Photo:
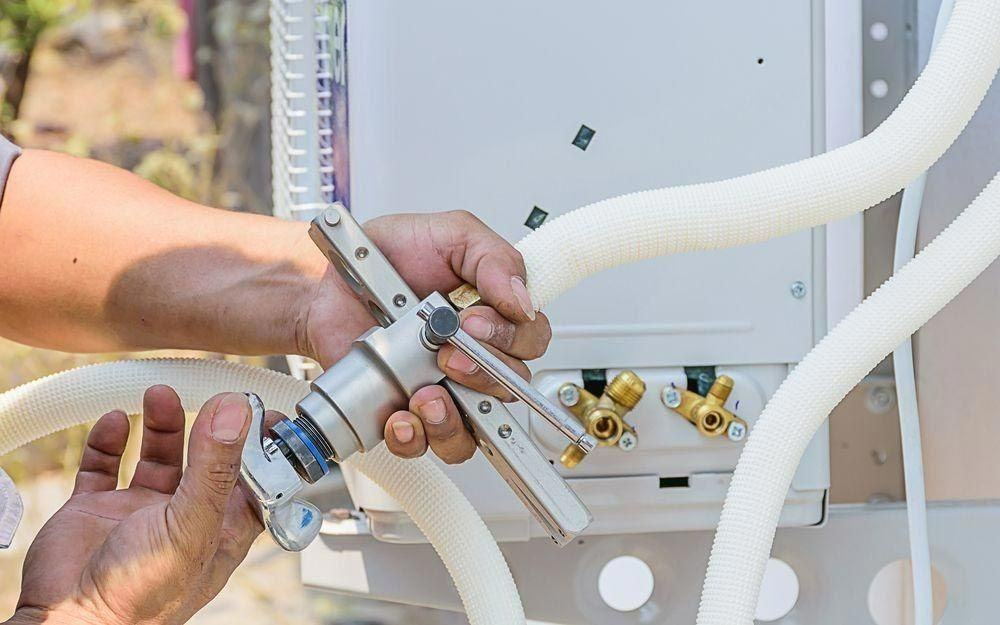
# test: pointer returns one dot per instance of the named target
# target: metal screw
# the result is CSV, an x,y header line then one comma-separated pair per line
x,y
331,217
399,300
671,397
485,406
569,395
504,431
736,432
880,400
361,253
627,442
798,289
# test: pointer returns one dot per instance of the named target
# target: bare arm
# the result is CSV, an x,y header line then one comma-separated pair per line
x,y
96,259
93,258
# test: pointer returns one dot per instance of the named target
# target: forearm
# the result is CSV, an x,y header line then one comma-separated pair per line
x,y
93,258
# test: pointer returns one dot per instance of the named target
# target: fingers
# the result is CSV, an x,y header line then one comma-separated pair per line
x,y
271,417
197,510
404,435
102,457
162,454
433,420
526,340
493,265
240,527
446,433
460,368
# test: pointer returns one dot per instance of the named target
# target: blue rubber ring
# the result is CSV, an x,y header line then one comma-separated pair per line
x,y
310,445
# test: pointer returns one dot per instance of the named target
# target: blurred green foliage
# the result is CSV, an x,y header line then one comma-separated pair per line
x,y
22,22
171,171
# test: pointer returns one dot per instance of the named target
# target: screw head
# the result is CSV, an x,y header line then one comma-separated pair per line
x,y
671,397
361,253
736,432
504,431
569,395
798,289
399,301
628,441
485,407
880,400
331,217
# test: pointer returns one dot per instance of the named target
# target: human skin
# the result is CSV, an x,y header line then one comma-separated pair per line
x,y
157,551
96,259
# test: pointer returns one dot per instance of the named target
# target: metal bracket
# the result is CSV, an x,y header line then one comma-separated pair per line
x,y
11,509
394,361
272,481
509,449
362,265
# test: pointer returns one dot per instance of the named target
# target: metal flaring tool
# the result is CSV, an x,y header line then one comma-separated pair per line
x,y
347,408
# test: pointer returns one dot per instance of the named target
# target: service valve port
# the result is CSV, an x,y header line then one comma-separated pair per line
x,y
708,413
604,416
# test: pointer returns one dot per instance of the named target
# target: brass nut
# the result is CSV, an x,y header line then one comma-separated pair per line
x,y
603,417
713,423
626,389
572,456
464,297
604,425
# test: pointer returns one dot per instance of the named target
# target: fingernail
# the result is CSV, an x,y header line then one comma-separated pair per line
x,y
522,296
433,411
461,363
403,431
479,327
230,416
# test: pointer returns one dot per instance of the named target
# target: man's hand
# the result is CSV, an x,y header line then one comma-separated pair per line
x,y
159,550
438,252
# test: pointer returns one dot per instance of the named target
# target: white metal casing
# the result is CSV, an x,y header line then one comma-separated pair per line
x,y
469,106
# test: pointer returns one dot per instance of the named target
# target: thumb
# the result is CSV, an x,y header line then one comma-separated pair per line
x,y
198,507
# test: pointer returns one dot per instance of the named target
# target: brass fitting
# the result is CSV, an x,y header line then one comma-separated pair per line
x,y
604,416
708,413
464,297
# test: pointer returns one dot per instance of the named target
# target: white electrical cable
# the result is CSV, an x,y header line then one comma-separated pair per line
x,y
433,501
805,399
906,394
778,201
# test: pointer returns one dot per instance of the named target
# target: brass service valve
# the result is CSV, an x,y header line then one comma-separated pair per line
x,y
604,416
708,413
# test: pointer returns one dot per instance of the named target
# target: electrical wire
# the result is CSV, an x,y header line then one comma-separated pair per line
x,y
906,393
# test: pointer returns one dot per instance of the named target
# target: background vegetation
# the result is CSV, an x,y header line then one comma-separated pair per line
x,y
178,92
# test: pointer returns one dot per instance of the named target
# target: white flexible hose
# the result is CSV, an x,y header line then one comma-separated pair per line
x,y
906,394
777,201
434,503
642,225
801,404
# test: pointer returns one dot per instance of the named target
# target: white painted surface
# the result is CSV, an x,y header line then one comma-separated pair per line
x,y
470,106
625,583
779,591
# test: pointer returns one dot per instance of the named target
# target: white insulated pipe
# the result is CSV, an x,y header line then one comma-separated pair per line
x,y
804,400
781,200
435,504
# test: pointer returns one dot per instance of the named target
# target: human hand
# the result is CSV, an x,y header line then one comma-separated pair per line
x,y
438,252
159,550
